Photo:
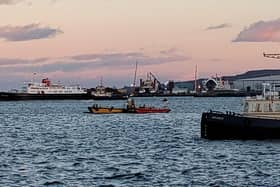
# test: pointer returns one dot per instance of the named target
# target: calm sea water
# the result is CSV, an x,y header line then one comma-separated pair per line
x,y
54,143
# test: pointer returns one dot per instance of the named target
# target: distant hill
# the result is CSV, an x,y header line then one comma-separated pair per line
x,y
248,75
253,74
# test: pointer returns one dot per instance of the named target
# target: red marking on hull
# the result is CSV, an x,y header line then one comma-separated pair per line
x,y
151,110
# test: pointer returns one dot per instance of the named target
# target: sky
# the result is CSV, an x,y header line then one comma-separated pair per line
x,y
82,41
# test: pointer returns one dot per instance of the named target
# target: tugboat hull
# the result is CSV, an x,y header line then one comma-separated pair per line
x,y
144,110
105,110
217,125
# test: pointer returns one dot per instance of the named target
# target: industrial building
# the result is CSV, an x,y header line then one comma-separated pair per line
x,y
248,82
253,80
256,84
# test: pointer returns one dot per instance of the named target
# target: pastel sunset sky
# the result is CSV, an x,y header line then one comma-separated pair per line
x,y
80,41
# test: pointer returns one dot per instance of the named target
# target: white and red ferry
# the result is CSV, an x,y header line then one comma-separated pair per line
x,y
45,90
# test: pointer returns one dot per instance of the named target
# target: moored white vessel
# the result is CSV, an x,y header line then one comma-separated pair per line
x,y
45,90
46,87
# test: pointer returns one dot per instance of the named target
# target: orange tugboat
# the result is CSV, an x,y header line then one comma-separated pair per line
x,y
130,108
105,110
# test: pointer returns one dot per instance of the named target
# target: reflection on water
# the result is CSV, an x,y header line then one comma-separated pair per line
x,y
54,143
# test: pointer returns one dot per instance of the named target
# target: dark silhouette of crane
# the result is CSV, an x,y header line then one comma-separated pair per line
x,y
155,78
272,55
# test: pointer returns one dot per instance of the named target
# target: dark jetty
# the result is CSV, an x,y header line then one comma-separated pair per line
x,y
227,93
9,96
218,125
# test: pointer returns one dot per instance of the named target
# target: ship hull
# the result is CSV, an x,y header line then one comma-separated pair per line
x,y
121,97
145,110
7,96
216,125
112,110
104,110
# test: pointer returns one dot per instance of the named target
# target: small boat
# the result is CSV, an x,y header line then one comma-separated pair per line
x,y
103,93
130,108
165,99
105,110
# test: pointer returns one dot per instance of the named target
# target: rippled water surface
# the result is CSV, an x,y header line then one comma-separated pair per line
x,y
55,143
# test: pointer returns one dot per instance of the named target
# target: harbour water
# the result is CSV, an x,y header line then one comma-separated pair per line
x,y
55,143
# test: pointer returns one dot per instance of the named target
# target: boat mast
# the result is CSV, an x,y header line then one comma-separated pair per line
x,y
195,79
33,77
101,81
135,74
272,55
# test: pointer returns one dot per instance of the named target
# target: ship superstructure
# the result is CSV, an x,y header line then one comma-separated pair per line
x,y
150,85
265,105
216,83
45,90
46,87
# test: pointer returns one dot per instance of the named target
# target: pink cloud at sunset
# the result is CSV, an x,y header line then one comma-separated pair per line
x,y
9,2
88,66
83,40
262,31
221,26
27,32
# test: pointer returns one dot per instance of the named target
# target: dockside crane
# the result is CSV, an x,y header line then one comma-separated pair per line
x,y
272,55
135,75
155,78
